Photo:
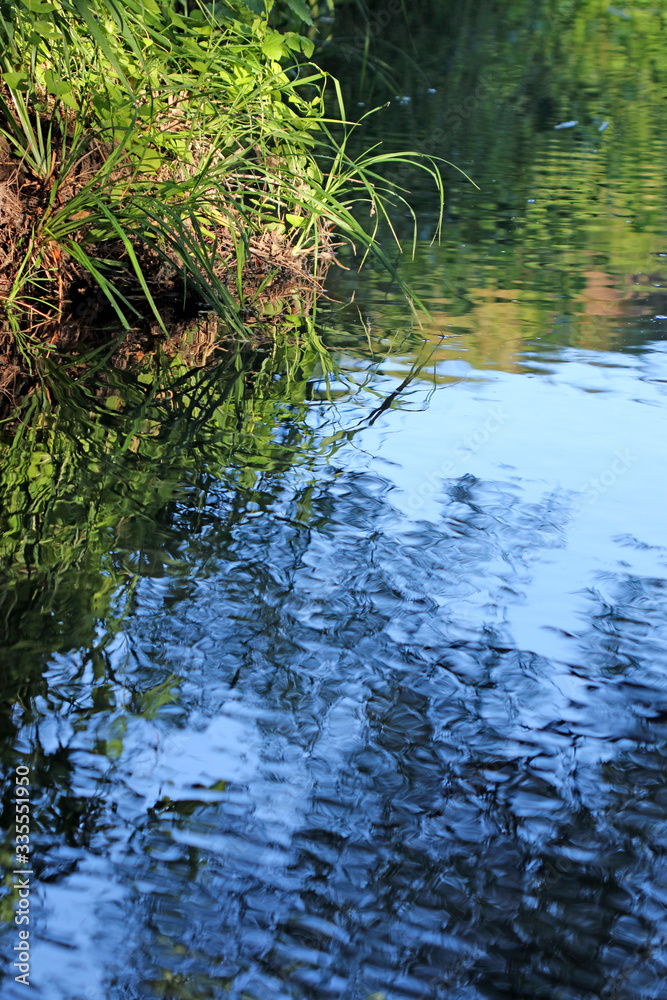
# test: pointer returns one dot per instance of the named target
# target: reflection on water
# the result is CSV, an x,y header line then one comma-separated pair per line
x,y
565,241
357,695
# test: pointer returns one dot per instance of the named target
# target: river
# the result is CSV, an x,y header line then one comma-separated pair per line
x,y
354,685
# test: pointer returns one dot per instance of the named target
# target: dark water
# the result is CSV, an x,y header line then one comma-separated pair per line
x,y
359,695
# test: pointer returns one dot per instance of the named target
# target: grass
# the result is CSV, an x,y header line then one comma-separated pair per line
x,y
154,161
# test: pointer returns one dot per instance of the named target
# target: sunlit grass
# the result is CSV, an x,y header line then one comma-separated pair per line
x,y
156,149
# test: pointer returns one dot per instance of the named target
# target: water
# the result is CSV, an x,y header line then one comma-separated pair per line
x,y
361,695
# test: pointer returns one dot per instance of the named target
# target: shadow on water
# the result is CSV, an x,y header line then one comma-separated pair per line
x,y
353,684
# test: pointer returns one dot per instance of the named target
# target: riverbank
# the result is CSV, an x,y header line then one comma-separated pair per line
x,y
155,165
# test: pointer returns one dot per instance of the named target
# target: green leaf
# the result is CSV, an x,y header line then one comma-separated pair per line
x,y
274,47
14,80
44,29
293,40
299,8
59,88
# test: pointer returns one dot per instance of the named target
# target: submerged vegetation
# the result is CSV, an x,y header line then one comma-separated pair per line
x,y
159,161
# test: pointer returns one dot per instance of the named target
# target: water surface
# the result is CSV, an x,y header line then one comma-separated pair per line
x,y
360,690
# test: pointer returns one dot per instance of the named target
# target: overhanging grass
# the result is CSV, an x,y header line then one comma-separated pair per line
x,y
149,156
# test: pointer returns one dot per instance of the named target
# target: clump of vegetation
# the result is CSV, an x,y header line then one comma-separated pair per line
x,y
155,160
